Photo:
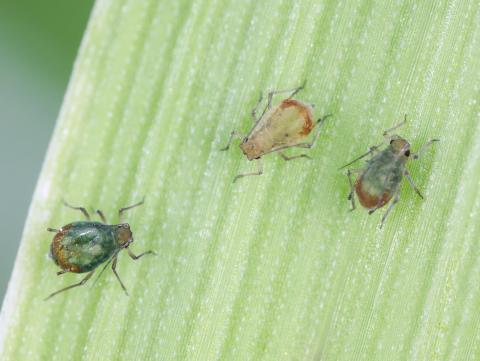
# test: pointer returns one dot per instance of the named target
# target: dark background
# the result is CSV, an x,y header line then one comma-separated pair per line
x,y
38,45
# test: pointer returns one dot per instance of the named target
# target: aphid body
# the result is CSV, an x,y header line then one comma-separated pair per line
x,y
279,127
378,181
82,246
283,126
381,177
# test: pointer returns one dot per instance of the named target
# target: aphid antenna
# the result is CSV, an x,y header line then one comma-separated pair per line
x,y
254,110
370,151
52,230
233,134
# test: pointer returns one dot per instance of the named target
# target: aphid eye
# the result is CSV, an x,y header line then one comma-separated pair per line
x,y
407,153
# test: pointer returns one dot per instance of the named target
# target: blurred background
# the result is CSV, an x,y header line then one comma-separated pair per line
x,y
38,45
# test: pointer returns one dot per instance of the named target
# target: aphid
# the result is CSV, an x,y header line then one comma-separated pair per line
x,y
82,246
379,180
285,125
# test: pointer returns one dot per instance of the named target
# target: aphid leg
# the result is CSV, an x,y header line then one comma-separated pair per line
x,y
412,183
386,134
423,148
81,209
372,210
287,158
371,150
103,269
254,110
317,134
121,210
114,269
233,134
102,216
258,172
61,272
293,92
395,199
351,195
135,257
81,283
53,230
274,92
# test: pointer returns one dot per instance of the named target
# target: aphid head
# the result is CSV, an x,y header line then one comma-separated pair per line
x,y
123,235
400,146
251,149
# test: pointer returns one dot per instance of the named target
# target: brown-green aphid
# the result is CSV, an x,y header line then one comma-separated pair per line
x,y
280,127
379,180
81,247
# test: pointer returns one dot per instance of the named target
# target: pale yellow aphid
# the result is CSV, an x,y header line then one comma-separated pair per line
x,y
282,126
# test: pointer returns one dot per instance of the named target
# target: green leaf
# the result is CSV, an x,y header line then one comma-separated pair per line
x,y
272,267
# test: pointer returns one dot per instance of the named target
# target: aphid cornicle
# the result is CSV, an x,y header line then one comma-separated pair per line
x,y
82,246
378,181
285,125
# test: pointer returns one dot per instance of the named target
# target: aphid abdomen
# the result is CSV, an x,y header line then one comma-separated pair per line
x,y
380,180
291,123
300,115
371,197
82,246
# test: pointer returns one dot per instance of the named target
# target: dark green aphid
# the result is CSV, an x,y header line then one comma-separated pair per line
x,y
81,247
379,180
